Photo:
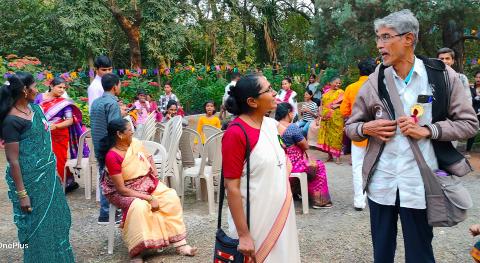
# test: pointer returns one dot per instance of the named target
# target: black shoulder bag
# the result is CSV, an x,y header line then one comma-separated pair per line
x,y
225,246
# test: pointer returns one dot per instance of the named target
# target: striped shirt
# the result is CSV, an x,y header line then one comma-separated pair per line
x,y
307,116
104,110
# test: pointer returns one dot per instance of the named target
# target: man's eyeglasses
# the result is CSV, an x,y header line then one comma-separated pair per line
x,y
385,38
270,89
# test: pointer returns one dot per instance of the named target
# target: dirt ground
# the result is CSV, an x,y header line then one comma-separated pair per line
x,y
339,234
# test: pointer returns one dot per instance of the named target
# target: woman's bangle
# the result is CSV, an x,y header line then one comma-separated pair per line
x,y
21,194
151,198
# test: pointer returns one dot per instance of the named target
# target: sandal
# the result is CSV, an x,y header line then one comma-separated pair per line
x,y
186,250
326,206
137,259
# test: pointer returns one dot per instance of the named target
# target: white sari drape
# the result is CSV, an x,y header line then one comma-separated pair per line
x,y
268,189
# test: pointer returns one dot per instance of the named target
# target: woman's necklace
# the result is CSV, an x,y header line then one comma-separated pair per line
x,y
120,149
26,114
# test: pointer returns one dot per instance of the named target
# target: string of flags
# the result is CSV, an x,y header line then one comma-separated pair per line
x,y
47,75
472,61
471,32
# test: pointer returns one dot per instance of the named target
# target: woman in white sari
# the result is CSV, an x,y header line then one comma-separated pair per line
x,y
272,236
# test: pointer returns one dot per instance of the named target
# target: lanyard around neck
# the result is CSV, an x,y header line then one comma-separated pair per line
x,y
409,76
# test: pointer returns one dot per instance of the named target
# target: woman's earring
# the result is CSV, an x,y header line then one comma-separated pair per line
x,y
26,94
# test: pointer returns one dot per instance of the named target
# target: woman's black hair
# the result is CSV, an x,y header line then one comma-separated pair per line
x,y
107,142
247,87
313,76
56,81
10,92
288,79
170,103
310,92
205,105
283,109
26,78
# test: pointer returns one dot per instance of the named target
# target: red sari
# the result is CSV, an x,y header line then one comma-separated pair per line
x,y
56,111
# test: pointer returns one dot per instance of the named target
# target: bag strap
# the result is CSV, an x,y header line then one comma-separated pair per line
x,y
222,180
431,185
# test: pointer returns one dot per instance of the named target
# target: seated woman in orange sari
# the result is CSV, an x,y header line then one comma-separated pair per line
x,y
152,213
65,125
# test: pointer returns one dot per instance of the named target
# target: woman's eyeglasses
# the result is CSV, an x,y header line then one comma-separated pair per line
x,y
270,89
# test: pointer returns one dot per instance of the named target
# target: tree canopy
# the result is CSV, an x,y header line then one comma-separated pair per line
x,y
67,34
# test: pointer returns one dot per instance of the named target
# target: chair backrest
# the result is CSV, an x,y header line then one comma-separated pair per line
x,y
149,132
186,146
209,131
147,126
171,138
81,143
213,145
156,149
159,132
165,133
194,135
91,157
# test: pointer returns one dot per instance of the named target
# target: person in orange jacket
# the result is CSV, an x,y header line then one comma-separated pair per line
x,y
366,67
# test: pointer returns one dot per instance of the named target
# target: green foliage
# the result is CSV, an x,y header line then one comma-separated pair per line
x,y
67,34
195,88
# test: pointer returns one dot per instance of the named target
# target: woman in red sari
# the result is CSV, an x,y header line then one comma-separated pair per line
x,y
65,124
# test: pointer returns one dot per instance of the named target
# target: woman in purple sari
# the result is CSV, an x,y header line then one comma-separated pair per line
x,y
296,146
66,127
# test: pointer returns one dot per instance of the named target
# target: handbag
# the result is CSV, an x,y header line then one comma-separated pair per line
x,y
226,248
447,200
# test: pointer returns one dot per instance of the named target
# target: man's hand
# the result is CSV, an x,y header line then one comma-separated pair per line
x,y
382,129
408,127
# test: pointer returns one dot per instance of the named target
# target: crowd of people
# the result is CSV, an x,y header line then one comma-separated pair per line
x,y
41,130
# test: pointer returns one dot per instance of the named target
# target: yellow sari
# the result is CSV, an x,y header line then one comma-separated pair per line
x,y
142,228
330,134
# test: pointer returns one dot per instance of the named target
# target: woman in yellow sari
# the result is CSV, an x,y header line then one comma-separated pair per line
x,y
330,134
152,213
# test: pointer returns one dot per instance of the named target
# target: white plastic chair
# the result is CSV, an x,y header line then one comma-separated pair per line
x,y
159,155
214,145
171,140
111,228
186,147
80,166
145,129
159,132
304,189
209,131
150,128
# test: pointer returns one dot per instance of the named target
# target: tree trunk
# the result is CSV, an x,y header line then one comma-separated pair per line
x,y
90,63
243,51
133,35
452,35
131,29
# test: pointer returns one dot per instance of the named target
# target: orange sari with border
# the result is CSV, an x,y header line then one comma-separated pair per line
x,y
142,228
